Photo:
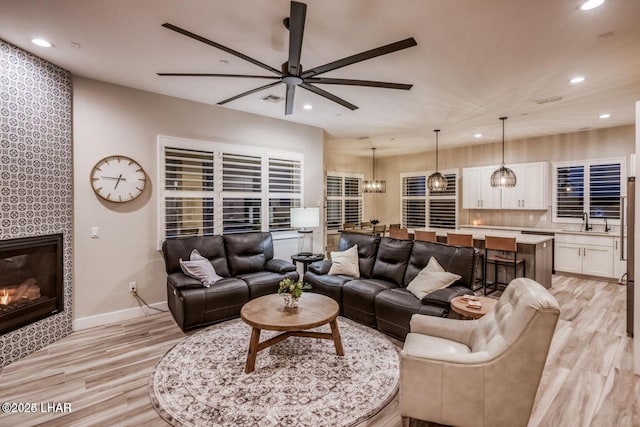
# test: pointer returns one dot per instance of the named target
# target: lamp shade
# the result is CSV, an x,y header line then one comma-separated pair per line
x,y
437,182
305,217
374,186
503,177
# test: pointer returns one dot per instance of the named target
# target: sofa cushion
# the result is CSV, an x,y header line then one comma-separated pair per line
x,y
443,297
358,297
265,282
391,260
394,308
330,286
367,249
454,259
345,262
248,252
200,268
210,247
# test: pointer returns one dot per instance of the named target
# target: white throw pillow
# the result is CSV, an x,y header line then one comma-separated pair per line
x,y
430,279
200,268
345,262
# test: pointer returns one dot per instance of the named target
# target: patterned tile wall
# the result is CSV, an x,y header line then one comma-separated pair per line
x,y
36,176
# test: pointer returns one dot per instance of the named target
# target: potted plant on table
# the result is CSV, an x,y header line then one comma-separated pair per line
x,y
291,291
374,221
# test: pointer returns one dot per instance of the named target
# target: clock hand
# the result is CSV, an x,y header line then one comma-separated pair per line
x,y
118,182
113,177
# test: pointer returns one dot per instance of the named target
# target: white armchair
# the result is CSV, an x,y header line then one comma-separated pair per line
x,y
481,372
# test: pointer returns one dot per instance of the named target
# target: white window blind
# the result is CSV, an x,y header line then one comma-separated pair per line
x,y
344,199
211,188
423,208
593,186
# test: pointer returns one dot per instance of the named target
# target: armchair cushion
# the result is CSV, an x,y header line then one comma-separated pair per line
x,y
418,345
345,262
280,266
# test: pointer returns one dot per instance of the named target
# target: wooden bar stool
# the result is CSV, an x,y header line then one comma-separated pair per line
x,y
507,258
425,236
466,240
399,233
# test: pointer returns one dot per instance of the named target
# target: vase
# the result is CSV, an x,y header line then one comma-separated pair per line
x,y
290,301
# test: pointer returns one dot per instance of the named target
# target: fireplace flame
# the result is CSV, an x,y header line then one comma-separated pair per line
x,y
5,299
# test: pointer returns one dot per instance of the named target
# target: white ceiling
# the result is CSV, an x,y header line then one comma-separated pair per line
x,y
476,60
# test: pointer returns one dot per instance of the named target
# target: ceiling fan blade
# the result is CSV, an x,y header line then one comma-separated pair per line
x,y
244,76
249,92
328,95
359,57
296,31
221,47
288,107
351,82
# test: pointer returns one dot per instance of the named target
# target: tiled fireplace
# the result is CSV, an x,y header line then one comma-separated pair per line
x,y
36,200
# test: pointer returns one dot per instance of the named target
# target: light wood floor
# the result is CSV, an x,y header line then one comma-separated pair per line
x,y
104,372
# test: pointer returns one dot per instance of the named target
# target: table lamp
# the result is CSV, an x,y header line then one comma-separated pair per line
x,y
303,218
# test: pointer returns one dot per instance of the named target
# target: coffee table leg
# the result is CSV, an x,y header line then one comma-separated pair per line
x,y
335,332
253,351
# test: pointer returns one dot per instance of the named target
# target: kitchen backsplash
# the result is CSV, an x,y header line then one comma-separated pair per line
x,y
527,219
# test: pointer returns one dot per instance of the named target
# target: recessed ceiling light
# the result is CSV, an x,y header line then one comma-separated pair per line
x,y
591,4
605,115
42,43
224,61
478,135
307,106
576,80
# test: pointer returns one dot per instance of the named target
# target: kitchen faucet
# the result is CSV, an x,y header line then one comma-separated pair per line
x,y
606,225
585,218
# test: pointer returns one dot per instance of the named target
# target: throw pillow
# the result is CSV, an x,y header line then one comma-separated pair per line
x,y
345,262
200,268
430,279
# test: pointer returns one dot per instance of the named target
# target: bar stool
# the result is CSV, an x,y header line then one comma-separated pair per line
x,y
425,236
509,247
466,240
399,233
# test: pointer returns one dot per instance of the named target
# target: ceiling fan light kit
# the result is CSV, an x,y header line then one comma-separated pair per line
x,y
374,186
437,181
503,177
292,74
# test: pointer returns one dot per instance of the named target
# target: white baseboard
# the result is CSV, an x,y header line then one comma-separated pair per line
x,y
116,316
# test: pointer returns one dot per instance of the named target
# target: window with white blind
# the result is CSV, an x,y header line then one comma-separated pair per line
x,y
423,208
344,199
211,188
593,186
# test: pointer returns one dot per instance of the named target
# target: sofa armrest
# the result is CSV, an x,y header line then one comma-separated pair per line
x,y
443,297
280,266
320,267
442,327
182,281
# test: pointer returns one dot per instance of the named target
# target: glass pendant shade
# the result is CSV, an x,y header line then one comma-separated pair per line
x,y
503,177
374,185
436,181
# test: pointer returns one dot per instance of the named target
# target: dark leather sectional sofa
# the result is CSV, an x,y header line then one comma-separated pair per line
x,y
246,263
378,297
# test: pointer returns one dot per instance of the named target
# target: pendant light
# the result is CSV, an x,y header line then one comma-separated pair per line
x,y
436,181
374,186
503,177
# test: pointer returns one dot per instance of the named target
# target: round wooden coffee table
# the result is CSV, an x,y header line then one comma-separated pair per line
x,y
459,305
268,312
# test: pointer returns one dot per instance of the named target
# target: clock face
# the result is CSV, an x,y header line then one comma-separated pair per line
x,y
118,179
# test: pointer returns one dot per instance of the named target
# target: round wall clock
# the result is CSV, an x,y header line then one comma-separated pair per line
x,y
118,179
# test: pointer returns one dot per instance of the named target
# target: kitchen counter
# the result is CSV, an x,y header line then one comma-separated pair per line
x,y
541,230
479,234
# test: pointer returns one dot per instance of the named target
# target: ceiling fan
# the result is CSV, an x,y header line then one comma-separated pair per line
x,y
292,73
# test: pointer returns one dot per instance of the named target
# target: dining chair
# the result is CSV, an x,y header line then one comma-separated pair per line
x,y
394,226
501,251
348,225
399,233
425,236
379,229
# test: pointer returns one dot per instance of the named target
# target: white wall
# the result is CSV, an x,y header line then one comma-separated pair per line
x,y
110,119
636,267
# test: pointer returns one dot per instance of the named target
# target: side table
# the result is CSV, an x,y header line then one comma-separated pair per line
x,y
306,260
459,305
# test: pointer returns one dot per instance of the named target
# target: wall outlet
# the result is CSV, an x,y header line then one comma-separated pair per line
x,y
133,287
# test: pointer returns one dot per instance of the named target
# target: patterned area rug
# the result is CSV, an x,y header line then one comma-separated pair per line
x,y
297,382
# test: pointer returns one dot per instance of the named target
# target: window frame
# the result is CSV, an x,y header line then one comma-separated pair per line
x,y
586,164
428,197
343,198
217,193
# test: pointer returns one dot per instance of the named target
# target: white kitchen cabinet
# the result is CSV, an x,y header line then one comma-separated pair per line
x,y
477,192
619,265
583,254
532,187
